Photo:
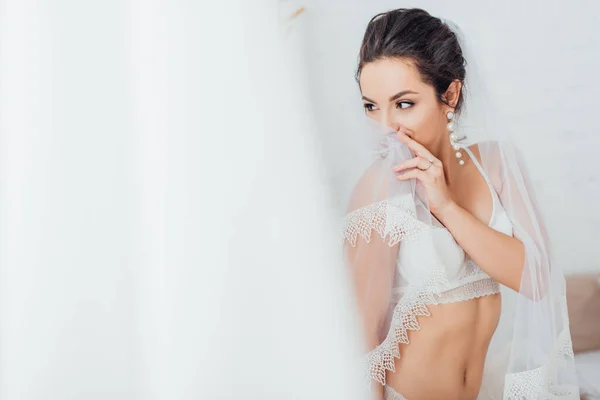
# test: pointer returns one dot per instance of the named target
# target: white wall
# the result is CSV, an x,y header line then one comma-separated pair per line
x,y
545,60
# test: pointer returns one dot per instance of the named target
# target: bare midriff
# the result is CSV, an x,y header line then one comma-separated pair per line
x,y
445,358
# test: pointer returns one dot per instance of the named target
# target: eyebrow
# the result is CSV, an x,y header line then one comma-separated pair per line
x,y
394,97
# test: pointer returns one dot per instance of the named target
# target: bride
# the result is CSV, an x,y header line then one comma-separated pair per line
x,y
443,235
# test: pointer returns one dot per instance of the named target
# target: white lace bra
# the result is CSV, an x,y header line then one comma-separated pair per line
x,y
430,247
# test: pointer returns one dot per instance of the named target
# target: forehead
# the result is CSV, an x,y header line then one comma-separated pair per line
x,y
390,75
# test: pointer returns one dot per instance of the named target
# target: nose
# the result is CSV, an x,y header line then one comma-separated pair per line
x,y
387,120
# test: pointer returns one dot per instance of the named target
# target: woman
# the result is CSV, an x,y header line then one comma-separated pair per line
x,y
435,227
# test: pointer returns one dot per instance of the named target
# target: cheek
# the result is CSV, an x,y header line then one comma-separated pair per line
x,y
374,116
417,120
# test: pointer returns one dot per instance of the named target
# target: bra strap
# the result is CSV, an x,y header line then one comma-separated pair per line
x,y
487,180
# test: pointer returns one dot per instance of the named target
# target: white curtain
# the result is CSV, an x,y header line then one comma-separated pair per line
x,y
164,227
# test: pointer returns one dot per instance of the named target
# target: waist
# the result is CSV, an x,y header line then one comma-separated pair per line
x,y
451,345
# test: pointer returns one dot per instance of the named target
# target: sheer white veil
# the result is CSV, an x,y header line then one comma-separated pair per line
x,y
530,356
534,327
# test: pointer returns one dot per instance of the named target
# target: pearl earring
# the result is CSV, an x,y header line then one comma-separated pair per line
x,y
453,137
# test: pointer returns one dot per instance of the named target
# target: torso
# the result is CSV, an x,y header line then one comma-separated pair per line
x,y
445,358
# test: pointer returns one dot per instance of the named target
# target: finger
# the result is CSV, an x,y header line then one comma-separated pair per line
x,y
415,173
417,162
413,162
417,147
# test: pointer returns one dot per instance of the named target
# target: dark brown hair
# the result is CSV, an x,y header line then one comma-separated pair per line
x,y
414,34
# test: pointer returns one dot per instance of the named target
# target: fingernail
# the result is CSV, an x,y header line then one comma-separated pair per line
x,y
397,167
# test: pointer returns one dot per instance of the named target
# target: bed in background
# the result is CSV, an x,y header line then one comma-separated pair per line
x,y
583,301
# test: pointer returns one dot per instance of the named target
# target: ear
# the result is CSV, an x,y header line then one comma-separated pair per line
x,y
453,93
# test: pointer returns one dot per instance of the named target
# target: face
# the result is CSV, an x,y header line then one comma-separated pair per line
x,y
394,95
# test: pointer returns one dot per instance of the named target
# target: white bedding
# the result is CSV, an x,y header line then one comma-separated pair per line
x,y
588,373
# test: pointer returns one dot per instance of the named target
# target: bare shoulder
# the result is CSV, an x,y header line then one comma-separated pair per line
x,y
475,150
487,151
488,155
490,148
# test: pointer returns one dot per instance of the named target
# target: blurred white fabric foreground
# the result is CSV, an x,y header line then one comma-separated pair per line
x,y
164,231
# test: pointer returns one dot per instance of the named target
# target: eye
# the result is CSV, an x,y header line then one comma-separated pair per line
x,y
369,107
408,103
